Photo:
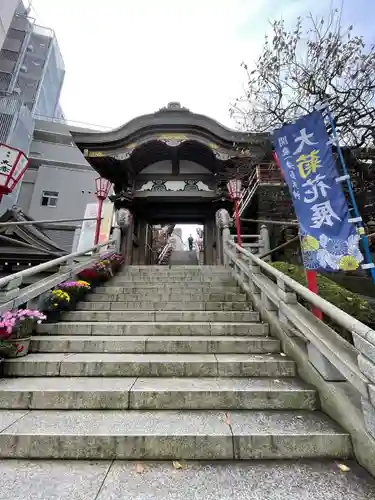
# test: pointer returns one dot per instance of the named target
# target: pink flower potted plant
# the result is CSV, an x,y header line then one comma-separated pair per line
x,y
15,331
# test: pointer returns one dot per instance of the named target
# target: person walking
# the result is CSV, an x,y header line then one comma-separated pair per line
x,y
190,241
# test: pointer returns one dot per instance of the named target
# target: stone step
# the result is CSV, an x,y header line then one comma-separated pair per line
x,y
171,281
163,306
156,344
197,277
158,316
173,271
83,393
164,295
154,328
176,267
170,434
176,289
150,365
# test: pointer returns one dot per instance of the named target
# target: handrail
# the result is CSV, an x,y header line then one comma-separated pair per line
x,y
274,222
338,315
50,264
73,123
323,355
19,296
279,247
164,251
293,315
249,191
46,221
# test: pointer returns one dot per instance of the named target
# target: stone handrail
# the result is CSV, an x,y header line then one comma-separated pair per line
x,y
164,252
12,296
275,294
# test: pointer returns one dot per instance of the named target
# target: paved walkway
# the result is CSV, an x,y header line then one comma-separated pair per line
x,y
267,480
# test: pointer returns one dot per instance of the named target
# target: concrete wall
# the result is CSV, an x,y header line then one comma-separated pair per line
x,y
53,128
7,9
57,154
56,165
76,188
26,190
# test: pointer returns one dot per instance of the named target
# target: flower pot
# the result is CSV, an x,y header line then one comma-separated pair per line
x,y
18,347
53,316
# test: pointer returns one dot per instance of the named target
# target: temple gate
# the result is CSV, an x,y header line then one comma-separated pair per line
x,y
169,167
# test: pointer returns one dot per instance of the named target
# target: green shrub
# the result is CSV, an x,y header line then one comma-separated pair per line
x,y
351,303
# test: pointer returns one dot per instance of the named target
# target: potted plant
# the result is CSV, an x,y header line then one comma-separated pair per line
x,y
15,331
97,273
116,261
104,270
55,302
75,289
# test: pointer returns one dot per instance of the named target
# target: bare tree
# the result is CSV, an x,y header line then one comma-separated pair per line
x,y
318,61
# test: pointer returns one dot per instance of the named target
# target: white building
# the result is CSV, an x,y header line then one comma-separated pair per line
x,y
7,10
31,77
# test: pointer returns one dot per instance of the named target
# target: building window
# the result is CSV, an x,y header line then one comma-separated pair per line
x,y
49,198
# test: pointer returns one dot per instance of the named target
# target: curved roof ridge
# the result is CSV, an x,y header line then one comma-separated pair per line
x,y
174,115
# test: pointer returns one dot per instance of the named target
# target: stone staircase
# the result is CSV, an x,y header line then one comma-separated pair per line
x,y
162,363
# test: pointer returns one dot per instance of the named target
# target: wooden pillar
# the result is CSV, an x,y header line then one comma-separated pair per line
x,y
142,225
219,247
128,244
209,242
136,248
125,221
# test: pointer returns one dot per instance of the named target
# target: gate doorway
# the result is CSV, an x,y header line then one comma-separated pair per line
x,y
169,244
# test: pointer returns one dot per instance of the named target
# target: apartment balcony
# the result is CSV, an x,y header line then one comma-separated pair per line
x,y
6,65
61,155
16,122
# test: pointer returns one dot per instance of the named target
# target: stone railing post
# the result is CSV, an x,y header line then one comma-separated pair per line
x,y
265,240
10,290
117,236
366,363
316,358
223,222
77,234
124,220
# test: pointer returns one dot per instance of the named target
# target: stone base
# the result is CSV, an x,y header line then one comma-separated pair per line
x,y
324,367
369,416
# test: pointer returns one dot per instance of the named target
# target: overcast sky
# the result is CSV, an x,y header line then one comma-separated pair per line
x,y
129,57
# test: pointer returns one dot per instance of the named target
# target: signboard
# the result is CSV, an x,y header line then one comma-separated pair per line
x,y
87,236
329,241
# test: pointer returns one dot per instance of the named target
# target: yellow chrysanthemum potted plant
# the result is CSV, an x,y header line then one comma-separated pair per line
x,y
56,302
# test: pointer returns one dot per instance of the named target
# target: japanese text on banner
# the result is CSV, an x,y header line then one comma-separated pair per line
x,y
329,241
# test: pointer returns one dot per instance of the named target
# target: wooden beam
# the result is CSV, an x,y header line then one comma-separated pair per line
x,y
26,245
175,162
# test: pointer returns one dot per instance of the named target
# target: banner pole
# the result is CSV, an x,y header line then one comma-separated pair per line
x,y
361,230
312,285
311,276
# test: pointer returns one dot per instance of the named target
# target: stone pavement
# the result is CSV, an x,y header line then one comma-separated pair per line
x,y
116,480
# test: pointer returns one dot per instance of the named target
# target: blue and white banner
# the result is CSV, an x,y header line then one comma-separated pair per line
x,y
329,241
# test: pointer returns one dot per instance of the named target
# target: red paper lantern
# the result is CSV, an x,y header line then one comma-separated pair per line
x,y
13,163
235,188
102,187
